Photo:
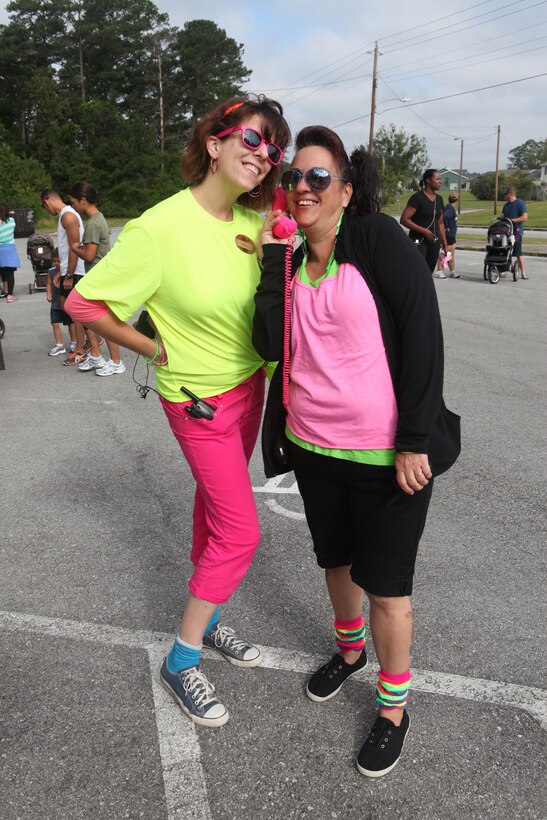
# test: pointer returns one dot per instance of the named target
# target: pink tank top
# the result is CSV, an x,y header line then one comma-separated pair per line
x,y
341,395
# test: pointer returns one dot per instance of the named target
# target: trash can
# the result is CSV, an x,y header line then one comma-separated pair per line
x,y
24,221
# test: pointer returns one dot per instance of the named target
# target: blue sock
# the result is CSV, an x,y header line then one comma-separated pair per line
x,y
182,656
214,619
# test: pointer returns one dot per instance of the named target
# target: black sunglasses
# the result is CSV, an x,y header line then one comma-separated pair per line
x,y
318,179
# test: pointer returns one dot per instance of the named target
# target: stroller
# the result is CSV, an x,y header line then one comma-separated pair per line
x,y
40,253
499,250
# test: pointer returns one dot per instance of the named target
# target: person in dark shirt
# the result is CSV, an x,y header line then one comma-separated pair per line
x,y
515,210
359,342
423,216
450,219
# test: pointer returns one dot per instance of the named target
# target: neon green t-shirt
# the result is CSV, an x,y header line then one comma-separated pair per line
x,y
196,282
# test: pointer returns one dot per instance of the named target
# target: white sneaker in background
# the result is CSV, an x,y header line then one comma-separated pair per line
x,y
92,363
110,368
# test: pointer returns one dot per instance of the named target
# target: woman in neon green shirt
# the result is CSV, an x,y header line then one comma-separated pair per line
x,y
191,260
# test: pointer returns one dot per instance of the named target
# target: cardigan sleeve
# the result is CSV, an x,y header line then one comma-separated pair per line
x,y
406,288
269,296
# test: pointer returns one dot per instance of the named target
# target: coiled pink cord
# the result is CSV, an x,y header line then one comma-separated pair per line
x,y
287,321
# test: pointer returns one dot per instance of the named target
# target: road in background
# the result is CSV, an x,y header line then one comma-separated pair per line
x,y
95,524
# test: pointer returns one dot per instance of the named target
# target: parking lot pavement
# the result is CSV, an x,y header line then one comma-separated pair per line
x,y
95,530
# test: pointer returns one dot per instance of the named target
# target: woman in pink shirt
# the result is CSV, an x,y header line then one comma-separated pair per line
x,y
365,420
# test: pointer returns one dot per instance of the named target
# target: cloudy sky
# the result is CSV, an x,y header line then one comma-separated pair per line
x,y
315,57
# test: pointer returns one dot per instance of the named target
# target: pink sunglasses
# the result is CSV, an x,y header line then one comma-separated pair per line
x,y
253,139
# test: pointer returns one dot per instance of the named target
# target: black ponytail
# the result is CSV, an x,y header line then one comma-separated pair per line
x,y
367,186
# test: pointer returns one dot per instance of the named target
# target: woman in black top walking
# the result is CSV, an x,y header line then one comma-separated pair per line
x,y
423,216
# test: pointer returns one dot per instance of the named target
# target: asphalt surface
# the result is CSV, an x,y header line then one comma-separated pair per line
x,y
95,532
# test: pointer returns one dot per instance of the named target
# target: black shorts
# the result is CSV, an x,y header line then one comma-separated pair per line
x,y
450,238
359,516
64,292
517,247
59,317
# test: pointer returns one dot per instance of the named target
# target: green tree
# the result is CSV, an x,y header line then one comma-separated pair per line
x,y
210,66
105,90
108,50
21,180
484,186
531,154
401,158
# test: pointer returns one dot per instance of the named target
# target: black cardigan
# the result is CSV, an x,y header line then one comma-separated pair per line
x,y
402,287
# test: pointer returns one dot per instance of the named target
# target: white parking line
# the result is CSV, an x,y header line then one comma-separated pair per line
x,y
184,781
277,508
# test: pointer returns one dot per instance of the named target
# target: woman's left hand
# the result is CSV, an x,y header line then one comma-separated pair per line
x,y
412,471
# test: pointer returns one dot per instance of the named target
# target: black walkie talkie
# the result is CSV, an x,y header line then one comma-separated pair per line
x,y
199,409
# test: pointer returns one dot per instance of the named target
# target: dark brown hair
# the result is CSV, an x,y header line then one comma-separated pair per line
x,y
4,212
428,174
84,189
360,169
227,114
47,192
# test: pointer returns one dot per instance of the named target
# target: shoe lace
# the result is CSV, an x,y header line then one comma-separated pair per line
x,y
328,667
380,730
197,685
224,635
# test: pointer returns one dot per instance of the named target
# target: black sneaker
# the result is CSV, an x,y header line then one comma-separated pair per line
x,y
329,678
382,748
195,696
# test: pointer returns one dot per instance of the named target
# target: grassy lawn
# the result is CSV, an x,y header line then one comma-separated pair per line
x,y
481,212
48,224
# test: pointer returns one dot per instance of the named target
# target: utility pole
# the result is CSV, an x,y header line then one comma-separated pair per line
x,y
460,180
497,172
160,89
373,98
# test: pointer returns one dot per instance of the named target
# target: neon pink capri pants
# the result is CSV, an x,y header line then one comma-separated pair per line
x,y
226,532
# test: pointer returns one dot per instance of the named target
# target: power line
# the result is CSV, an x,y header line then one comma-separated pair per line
x,y
434,127
421,26
360,51
416,114
471,65
446,97
405,76
460,48
409,43
315,85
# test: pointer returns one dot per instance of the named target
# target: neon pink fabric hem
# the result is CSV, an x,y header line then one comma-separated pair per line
x,y
84,310
403,677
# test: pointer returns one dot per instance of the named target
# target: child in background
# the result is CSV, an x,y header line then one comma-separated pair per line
x,y
58,315
450,219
